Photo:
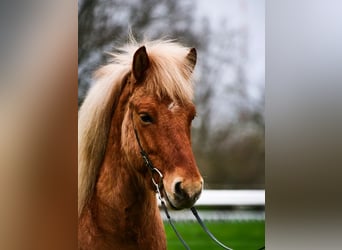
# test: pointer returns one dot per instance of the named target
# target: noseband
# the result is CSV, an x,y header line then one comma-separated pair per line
x,y
158,183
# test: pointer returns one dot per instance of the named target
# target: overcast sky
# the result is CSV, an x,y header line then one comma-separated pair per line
x,y
241,13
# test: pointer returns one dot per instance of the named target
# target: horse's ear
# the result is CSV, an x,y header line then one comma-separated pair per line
x,y
192,58
140,63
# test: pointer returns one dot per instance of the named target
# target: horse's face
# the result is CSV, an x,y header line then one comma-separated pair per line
x,y
164,126
164,131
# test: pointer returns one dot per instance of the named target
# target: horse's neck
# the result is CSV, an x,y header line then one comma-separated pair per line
x,y
123,212
125,207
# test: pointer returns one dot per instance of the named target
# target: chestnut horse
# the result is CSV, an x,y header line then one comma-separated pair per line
x,y
147,89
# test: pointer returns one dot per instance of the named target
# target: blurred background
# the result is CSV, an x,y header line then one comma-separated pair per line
x,y
38,111
228,132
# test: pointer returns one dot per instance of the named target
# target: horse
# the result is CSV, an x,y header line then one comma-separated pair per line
x,y
143,98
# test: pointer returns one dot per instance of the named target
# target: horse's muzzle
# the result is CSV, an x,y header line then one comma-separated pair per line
x,y
184,193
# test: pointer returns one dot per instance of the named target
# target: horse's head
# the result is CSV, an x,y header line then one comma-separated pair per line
x,y
163,123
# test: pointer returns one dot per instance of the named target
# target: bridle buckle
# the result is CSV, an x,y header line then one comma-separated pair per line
x,y
157,182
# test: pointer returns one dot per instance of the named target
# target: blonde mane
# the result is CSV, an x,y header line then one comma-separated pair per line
x,y
169,75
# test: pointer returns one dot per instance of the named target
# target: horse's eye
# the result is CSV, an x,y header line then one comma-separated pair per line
x,y
146,118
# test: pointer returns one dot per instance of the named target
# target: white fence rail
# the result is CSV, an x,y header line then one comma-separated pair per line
x,y
218,198
232,198
214,199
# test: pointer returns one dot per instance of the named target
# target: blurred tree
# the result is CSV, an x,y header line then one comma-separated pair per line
x,y
228,133
105,23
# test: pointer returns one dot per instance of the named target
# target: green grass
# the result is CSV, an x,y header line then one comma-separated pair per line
x,y
236,235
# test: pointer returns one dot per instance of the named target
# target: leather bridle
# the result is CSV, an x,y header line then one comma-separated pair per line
x,y
158,184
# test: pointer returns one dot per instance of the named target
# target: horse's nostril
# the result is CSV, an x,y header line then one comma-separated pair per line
x,y
179,192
